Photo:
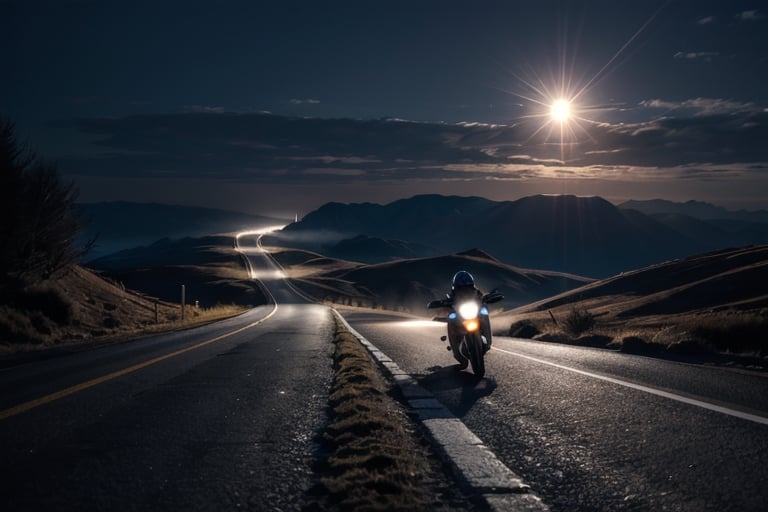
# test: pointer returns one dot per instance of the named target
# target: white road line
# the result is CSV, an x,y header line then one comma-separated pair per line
x,y
672,396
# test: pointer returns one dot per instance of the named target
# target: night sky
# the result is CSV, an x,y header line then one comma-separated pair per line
x,y
277,107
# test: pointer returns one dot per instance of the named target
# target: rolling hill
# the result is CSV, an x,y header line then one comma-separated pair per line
x,y
732,279
411,283
718,300
121,225
208,267
368,249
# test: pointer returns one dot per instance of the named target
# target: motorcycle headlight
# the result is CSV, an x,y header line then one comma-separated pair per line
x,y
468,310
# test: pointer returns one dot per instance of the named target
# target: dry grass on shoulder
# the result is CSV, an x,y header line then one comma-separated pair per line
x,y
196,316
726,336
376,459
713,307
80,309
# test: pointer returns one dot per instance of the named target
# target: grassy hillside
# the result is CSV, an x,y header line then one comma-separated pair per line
x,y
409,284
85,307
208,267
121,225
715,302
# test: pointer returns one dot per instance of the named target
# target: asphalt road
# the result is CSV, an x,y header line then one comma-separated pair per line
x,y
222,417
216,418
595,430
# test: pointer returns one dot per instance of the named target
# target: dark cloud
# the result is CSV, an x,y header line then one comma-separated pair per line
x,y
750,15
263,148
710,137
708,56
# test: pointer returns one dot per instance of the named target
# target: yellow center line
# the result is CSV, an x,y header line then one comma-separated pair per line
x,y
13,411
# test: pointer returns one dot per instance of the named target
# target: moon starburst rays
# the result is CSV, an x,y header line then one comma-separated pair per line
x,y
559,104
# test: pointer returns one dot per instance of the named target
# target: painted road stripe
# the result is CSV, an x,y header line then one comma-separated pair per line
x,y
18,409
672,396
13,411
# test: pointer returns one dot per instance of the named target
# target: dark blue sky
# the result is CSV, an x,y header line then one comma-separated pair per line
x,y
70,63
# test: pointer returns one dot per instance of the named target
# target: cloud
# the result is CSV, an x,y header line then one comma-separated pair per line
x,y
707,20
222,145
717,135
707,56
702,106
203,109
309,101
751,15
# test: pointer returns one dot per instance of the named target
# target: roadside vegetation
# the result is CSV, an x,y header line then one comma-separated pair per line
x,y
374,458
37,243
47,300
80,308
716,336
711,306
39,221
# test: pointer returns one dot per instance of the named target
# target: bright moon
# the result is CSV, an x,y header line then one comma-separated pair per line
x,y
560,111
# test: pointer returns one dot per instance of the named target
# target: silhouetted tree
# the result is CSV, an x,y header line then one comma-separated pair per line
x,y
38,222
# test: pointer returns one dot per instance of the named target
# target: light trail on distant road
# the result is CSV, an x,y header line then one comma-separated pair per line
x,y
259,275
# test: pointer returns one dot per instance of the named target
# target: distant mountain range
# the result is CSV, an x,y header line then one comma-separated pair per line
x,y
696,209
579,235
123,225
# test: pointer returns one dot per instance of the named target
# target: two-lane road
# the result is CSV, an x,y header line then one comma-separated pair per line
x,y
222,417
216,418
596,430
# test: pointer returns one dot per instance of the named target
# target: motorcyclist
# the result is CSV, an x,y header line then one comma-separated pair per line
x,y
463,288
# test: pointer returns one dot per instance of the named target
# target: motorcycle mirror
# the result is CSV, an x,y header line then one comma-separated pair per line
x,y
493,297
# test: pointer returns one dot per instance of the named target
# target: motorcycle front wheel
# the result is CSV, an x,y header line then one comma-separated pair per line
x,y
476,357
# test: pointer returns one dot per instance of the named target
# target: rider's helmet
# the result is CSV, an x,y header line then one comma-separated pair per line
x,y
462,279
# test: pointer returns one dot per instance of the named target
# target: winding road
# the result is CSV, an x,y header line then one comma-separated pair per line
x,y
222,417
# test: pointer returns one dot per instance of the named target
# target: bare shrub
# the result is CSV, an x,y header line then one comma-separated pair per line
x,y
523,329
578,322
39,226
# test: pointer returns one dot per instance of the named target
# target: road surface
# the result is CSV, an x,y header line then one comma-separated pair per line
x,y
222,417
216,418
596,430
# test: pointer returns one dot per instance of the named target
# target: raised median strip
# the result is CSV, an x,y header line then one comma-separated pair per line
x,y
474,464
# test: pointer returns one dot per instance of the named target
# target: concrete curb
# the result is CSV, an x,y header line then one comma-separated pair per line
x,y
473,463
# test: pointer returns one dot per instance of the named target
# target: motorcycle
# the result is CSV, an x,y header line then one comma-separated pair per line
x,y
469,317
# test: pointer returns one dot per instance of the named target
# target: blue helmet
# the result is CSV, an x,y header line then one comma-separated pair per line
x,y
463,278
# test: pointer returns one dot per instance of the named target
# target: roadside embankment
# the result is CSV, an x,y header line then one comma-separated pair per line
x,y
373,456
